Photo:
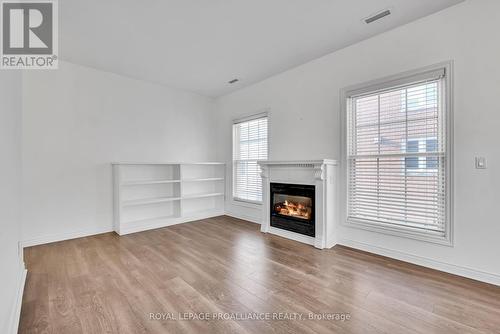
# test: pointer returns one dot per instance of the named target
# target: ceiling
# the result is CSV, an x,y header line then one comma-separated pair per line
x,y
199,45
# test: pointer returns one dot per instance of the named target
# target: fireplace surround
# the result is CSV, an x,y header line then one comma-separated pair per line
x,y
310,191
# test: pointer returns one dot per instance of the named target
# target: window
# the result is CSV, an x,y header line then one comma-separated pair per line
x,y
422,164
249,146
398,156
415,100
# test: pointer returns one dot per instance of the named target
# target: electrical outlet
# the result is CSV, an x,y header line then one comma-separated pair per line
x,y
480,163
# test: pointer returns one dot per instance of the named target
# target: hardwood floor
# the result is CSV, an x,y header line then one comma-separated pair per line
x,y
227,268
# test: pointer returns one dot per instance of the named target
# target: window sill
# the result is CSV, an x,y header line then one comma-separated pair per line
x,y
401,231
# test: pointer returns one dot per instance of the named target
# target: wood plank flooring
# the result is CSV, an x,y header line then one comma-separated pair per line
x,y
152,282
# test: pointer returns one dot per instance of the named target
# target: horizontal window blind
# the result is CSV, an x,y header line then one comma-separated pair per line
x,y
249,146
397,157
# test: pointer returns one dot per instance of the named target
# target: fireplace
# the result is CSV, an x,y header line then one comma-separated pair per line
x,y
310,210
292,208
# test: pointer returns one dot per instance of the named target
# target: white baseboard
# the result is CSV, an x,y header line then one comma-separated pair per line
x,y
425,262
243,217
18,301
63,236
85,233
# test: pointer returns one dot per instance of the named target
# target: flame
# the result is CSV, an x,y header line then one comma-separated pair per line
x,y
294,209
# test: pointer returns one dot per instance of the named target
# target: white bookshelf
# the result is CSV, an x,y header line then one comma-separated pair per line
x,y
154,195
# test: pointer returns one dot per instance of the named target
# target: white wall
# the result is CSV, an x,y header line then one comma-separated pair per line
x,y
10,181
304,124
76,121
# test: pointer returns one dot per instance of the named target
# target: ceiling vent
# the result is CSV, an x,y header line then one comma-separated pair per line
x,y
377,16
233,81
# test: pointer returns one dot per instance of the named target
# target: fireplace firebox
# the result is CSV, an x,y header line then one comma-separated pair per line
x,y
292,208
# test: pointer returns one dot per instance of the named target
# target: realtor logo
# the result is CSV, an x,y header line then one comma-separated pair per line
x,y
29,34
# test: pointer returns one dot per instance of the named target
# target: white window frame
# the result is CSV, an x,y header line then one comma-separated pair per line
x,y
237,200
384,83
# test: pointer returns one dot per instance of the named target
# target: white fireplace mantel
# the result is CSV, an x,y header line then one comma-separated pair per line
x,y
320,173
